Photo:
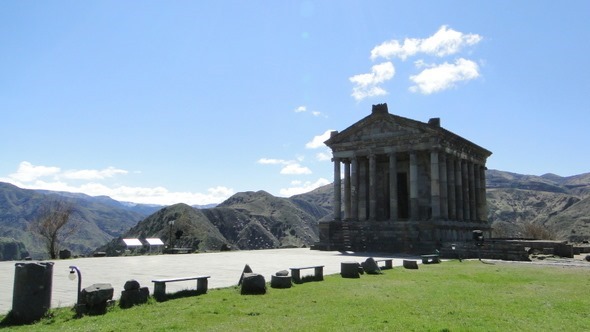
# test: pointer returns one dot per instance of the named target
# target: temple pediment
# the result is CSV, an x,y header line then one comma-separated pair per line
x,y
384,130
380,129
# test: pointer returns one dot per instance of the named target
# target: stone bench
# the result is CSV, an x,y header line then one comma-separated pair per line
x,y
388,263
318,273
179,250
430,259
160,285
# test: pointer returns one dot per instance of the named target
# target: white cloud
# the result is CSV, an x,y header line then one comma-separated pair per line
x,y
29,176
318,141
27,172
444,42
367,85
299,187
302,109
269,161
379,74
436,77
394,48
444,76
295,169
324,156
92,174
161,195
291,167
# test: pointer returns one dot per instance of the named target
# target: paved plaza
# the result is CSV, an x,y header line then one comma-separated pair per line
x,y
224,268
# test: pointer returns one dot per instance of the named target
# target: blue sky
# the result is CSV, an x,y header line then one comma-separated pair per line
x,y
193,101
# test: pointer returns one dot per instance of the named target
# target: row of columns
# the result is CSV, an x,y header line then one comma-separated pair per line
x,y
457,188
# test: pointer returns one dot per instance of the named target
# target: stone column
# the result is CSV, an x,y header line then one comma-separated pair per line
x,y
459,188
362,196
434,186
414,207
483,201
451,185
465,182
346,189
337,189
354,187
476,180
393,209
444,205
472,192
372,187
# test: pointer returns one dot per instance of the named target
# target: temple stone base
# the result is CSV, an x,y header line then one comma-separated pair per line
x,y
394,236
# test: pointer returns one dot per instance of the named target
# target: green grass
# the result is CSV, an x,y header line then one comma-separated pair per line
x,y
451,296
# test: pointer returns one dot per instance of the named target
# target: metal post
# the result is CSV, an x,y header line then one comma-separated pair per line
x,y
72,277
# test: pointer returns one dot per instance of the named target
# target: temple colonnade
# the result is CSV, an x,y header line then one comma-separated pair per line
x,y
426,185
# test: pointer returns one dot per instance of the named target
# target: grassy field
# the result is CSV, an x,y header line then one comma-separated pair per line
x,y
452,296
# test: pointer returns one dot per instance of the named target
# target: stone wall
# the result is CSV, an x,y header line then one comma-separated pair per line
x,y
504,249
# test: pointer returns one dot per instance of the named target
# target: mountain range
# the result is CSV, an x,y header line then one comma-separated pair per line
x,y
247,220
559,204
99,218
257,220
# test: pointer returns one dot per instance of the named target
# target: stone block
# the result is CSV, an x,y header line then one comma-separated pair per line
x,y
282,273
412,265
32,291
94,298
370,266
280,281
247,269
132,297
65,254
253,284
131,285
350,269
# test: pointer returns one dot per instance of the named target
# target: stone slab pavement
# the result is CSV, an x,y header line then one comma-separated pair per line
x,y
225,269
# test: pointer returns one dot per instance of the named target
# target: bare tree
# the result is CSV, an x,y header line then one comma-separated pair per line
x,y
53,225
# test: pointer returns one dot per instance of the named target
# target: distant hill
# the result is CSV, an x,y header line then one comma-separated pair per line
x,y
100,218
560,204
247,220
143,209
257,220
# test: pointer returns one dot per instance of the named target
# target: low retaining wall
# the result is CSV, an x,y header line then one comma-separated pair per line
x,y
504,249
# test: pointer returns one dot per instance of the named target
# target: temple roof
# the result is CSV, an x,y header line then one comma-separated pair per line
x,y
385,131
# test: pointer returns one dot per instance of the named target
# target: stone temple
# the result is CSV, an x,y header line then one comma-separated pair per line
x,y
402,185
